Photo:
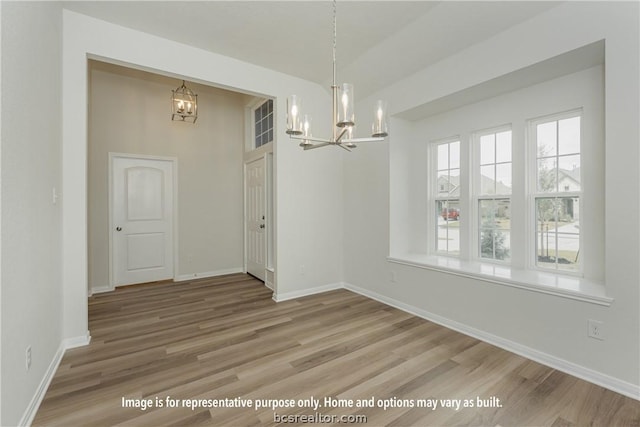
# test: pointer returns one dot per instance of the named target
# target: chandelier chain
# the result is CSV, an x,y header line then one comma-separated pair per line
x,y
335,36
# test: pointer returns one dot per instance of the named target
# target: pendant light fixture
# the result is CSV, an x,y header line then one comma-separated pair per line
x,y
184,104
343,119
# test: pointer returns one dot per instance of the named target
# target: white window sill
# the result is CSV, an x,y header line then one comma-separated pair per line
x,y
571,287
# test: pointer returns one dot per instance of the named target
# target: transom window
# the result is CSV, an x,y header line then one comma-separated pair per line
x,y
263,122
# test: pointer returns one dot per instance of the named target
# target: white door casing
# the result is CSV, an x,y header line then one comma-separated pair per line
x,y
142,211
255,218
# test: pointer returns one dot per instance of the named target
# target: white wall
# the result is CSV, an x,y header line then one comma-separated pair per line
x,y
308,185
547,326
129,113
31,236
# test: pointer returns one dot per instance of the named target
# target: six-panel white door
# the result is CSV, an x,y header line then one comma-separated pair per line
x,y
142,220
255,222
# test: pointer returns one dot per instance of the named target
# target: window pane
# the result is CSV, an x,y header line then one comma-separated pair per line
x,y
503,178
454,155
558,233
569,134
454,182
443,157
546,139
487,211
443,184
503,214
448,227
487,180
487,149
503,147
495,240
569,173
547,179
486,244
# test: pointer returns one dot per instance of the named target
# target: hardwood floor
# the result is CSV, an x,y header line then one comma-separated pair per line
x,y
224,338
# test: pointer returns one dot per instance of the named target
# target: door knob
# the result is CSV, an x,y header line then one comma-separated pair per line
x,y
118,228
261,225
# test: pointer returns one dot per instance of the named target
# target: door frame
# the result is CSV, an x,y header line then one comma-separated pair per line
x,y
174,249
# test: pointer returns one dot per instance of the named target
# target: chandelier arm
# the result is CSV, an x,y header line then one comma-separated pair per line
x,y
359,140
312,138
341,135
312,146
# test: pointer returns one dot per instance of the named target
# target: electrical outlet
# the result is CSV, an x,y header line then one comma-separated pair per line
x,y
27,357
392,276
595,329
302,270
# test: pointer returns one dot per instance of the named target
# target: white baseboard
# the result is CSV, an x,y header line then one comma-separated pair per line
x,y
74,342
36,400
598,378
279,297
191,276
100,290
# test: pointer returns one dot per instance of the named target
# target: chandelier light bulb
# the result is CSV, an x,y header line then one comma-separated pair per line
x,y
379,129
346,116
293,116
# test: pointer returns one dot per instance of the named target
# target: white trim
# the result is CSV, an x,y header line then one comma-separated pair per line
x,y
191,276
550,283
100,290
279,297
603,380
74,342
32,409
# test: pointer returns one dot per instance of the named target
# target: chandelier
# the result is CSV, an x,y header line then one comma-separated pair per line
x,y
343,119
184,104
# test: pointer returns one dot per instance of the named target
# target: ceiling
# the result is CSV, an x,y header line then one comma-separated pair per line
x,y
379,42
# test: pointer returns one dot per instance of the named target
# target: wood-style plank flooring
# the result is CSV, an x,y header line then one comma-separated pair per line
x,y
225,338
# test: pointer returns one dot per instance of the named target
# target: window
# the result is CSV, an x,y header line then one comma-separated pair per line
x,y
447,200
263,122
493,194
557,192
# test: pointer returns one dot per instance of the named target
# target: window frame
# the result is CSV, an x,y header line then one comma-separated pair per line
x,y
534,194
434,198
476,196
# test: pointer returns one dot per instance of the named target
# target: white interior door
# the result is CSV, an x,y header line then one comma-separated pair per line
x,y
141,220
255,221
